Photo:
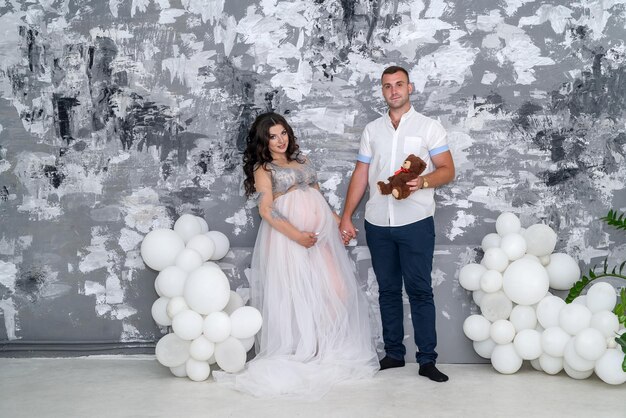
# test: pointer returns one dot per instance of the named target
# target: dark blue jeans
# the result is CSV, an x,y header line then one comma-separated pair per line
x,y
405,252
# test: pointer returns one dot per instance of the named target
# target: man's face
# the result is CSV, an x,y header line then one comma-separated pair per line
x,y
396,89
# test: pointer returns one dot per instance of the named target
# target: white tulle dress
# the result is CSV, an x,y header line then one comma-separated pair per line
x,y
316,324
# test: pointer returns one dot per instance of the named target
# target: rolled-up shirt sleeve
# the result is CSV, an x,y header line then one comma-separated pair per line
x,y
365,150
439,140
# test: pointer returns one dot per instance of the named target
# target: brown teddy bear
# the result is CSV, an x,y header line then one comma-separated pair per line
x,y
412,167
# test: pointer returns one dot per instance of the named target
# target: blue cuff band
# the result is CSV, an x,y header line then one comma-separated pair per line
x,y
363,158
439,150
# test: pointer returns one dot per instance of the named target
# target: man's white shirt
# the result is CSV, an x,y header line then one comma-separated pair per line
x,y
385,149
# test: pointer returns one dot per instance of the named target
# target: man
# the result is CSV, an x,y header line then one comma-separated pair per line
x,y
400,233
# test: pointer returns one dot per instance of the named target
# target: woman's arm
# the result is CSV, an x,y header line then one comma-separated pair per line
x,y
263,185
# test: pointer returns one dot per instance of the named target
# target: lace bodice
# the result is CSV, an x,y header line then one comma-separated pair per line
x,y
286,178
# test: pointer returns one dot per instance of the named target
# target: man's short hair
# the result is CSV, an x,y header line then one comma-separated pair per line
x,y
394,69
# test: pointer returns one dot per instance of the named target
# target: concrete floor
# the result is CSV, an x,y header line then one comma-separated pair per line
x,y
137,386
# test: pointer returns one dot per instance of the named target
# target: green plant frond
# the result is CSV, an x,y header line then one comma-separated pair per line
x,y
614,220
620,308
580,285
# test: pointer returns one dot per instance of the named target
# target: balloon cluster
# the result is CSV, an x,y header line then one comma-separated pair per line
x,y
521,320
210,323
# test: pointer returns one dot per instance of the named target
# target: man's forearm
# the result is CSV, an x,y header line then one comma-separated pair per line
x,y
356,189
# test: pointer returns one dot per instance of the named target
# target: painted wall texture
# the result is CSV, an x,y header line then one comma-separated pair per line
x,y
118,116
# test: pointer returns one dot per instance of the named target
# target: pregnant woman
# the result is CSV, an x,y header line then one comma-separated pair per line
x,y
316,326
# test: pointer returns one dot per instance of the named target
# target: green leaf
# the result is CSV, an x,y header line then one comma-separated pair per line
x,y
621,340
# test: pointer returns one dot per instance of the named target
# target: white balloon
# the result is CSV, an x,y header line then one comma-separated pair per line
x,y
544,260
179,371
160,247
203,244
609,367
207,290
171,281
507,223
496,306
533,258
222,244
476,327
198,371
563,271
611,343
514,246
574,318
527,344
484,348
590,344
575,374
554,340
575,361
496,259
477,296
245,322
212,264
525,282
187,324
201,348
523,317
580,300
175,305
187,226
157,290
601,297
549,364
171,351
505,359
540,240
247,343
502,331
536,365
490,241
188,260
204,226
491,281
606,322
230,355
159,312
548,310
217,326
234,302
469,276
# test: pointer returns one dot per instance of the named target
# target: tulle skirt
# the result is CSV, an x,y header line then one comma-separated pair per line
x,y
316,324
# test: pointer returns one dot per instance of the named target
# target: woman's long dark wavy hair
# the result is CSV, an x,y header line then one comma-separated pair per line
x,y
257,151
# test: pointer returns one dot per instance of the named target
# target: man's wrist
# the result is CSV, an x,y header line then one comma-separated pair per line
x,y
425,183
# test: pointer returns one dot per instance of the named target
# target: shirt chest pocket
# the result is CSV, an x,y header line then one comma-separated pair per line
x,y
414,145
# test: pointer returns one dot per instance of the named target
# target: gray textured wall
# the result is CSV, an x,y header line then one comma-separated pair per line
x,y
118,116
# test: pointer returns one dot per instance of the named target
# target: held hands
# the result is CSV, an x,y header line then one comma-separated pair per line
x,y
347,230
306,239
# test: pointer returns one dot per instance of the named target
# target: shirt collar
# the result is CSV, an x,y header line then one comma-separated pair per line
x,y
408,114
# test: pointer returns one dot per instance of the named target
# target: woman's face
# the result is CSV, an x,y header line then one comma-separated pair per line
x,y
278,140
